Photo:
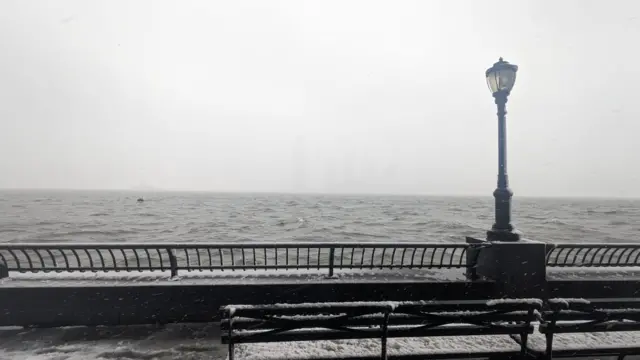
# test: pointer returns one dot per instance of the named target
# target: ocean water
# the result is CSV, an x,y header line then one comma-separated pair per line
x,y
93,216
105,216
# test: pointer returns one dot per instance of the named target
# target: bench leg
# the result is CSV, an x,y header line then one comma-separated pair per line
x,y
385,333
231,354
523,345
549,351
383,353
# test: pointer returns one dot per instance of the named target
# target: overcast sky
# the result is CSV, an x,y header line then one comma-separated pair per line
x,y
319,96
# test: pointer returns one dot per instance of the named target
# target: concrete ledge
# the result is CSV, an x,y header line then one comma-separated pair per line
x,y
595,288
164,278
148,304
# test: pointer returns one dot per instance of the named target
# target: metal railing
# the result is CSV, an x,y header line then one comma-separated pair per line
x,y
317,256
175,257
593,255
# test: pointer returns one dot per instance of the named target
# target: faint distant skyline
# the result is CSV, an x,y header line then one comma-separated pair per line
x,y
352,96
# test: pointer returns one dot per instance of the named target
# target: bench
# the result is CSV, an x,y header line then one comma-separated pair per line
x,y
579,318
323,322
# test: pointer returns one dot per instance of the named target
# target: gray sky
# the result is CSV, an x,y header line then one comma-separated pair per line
x,y
318,96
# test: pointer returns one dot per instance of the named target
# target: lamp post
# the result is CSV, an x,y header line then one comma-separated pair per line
x,y
500,78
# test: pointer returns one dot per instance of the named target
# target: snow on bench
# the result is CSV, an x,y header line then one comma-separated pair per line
x,y
440,329
588,327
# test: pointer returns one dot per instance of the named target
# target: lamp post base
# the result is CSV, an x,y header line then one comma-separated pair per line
x,y
502,235
511,265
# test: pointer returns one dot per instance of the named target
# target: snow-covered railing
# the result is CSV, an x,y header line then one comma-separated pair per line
x,y
593,255
175,257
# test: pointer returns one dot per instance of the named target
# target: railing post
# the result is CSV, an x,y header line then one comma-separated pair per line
x,y
173,262
4,271
332,251
473,252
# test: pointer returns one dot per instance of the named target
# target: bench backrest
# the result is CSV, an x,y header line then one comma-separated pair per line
x,y
325,321
590,315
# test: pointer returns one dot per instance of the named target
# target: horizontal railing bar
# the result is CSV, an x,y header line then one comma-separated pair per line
x,y
254,267
135,269
261,245
225,267
595,245
280,245
311,267
84,269
253,245
558,265
283,245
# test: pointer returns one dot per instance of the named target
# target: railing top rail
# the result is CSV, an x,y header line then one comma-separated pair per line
x,y
237,245
262,244
595,245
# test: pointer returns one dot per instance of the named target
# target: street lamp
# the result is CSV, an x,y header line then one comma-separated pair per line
x,y
500,78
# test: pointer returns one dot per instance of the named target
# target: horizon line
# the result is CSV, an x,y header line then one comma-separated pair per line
x,y
338,193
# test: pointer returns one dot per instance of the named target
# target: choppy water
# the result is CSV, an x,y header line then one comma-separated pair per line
x,y
171,342
82,216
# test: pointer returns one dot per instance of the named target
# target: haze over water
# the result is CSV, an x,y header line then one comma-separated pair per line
x,y
105,216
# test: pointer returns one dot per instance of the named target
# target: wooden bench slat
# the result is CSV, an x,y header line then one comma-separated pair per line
x,y
615,303
456,330
367,333
259,311
470,305
562,328
394,319
336,308
600,314
590,304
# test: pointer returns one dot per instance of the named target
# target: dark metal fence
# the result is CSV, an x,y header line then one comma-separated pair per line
x,y
594,255
329,257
